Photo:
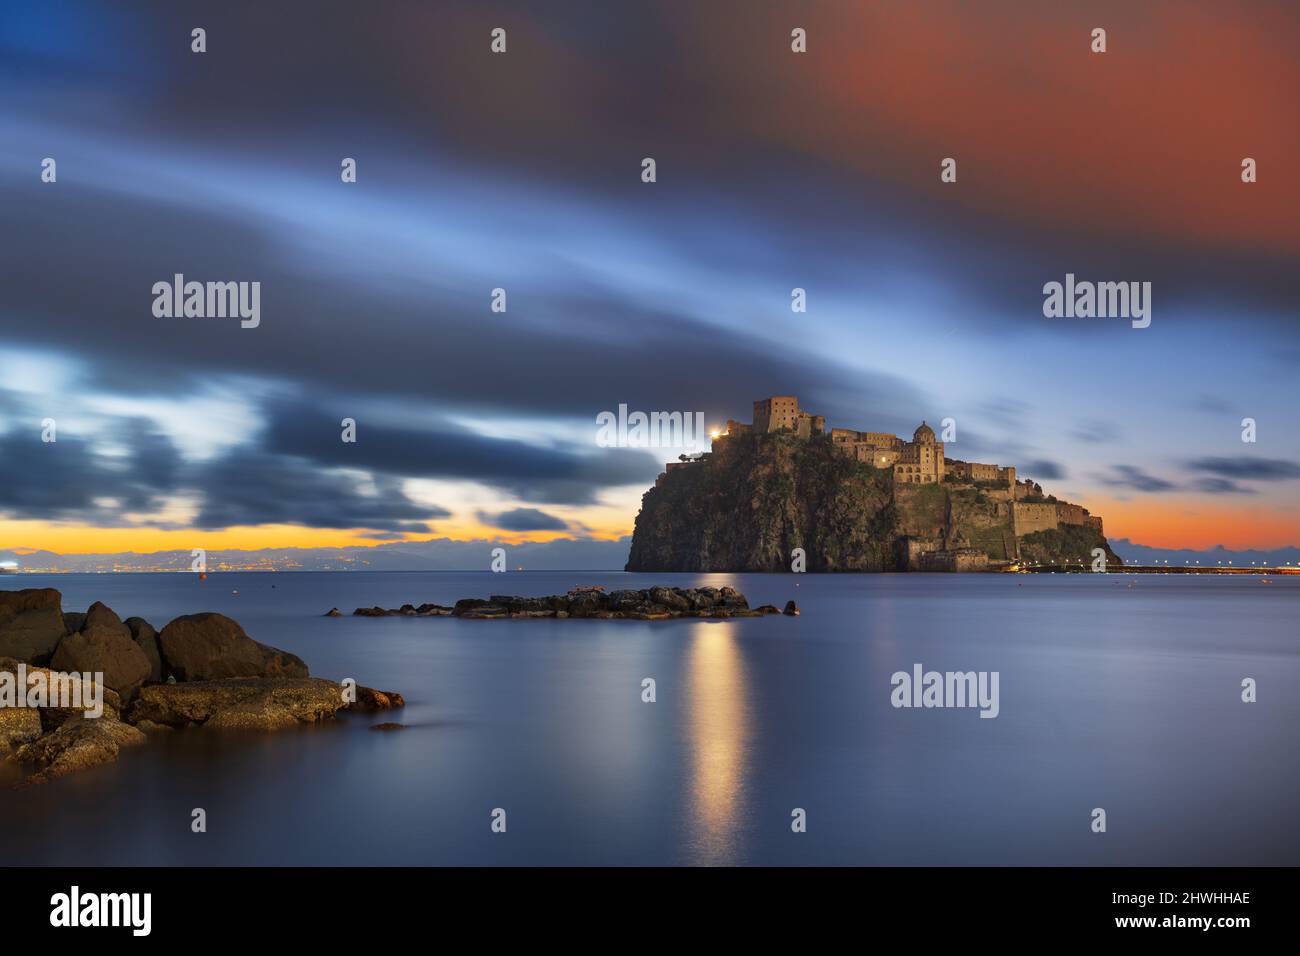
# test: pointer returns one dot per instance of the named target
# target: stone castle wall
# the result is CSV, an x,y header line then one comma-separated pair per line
x,y
1067,513
960,559
1026,518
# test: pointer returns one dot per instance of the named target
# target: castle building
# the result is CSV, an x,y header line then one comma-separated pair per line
x,y
878,449
916,462
782,411
1010,508
921,460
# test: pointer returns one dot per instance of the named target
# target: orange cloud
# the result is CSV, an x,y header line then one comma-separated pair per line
x,y
1179,522
1146,139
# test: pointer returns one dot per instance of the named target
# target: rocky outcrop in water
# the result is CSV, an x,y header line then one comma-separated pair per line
x,y
645,604
202,670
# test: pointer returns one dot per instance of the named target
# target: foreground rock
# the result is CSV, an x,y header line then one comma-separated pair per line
x,y
79,689
248,703
239,703
18,726
77,744
217,677
31,624
646,604
146,638
104,646
200,647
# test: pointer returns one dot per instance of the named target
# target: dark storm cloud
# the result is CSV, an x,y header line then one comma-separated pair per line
x,y
1248,469
292,473
71,479
1130,476
568,350
62,479
523,519
247,487
575,87
556,474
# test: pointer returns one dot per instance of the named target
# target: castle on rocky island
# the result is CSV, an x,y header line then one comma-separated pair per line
x,y
943,533
919,461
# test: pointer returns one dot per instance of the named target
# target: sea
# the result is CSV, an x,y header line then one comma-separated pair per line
x,y
772,740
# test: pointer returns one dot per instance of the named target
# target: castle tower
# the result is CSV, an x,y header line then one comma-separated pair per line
x,y
921,460
779,411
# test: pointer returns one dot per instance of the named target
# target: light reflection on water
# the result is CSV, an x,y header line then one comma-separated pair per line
x,y
719,739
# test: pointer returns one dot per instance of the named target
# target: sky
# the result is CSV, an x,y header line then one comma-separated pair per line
x,y
522,171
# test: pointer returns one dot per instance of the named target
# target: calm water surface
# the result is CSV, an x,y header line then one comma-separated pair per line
x,y
1121,692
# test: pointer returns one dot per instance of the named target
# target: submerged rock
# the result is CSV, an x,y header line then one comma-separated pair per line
x,y
78,743
149,727
369,699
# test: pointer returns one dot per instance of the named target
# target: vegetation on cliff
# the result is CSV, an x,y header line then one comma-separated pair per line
x,y
1067,545
758,497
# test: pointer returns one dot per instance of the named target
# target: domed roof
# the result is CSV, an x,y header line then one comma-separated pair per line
x,y
923,435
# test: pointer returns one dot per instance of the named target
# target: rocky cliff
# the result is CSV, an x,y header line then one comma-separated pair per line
x,y
757,497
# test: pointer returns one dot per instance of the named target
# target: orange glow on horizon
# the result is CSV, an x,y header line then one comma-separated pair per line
x,y
1172,522
74,539
1192,524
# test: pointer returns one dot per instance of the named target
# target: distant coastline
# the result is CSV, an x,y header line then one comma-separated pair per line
x,y
469,557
